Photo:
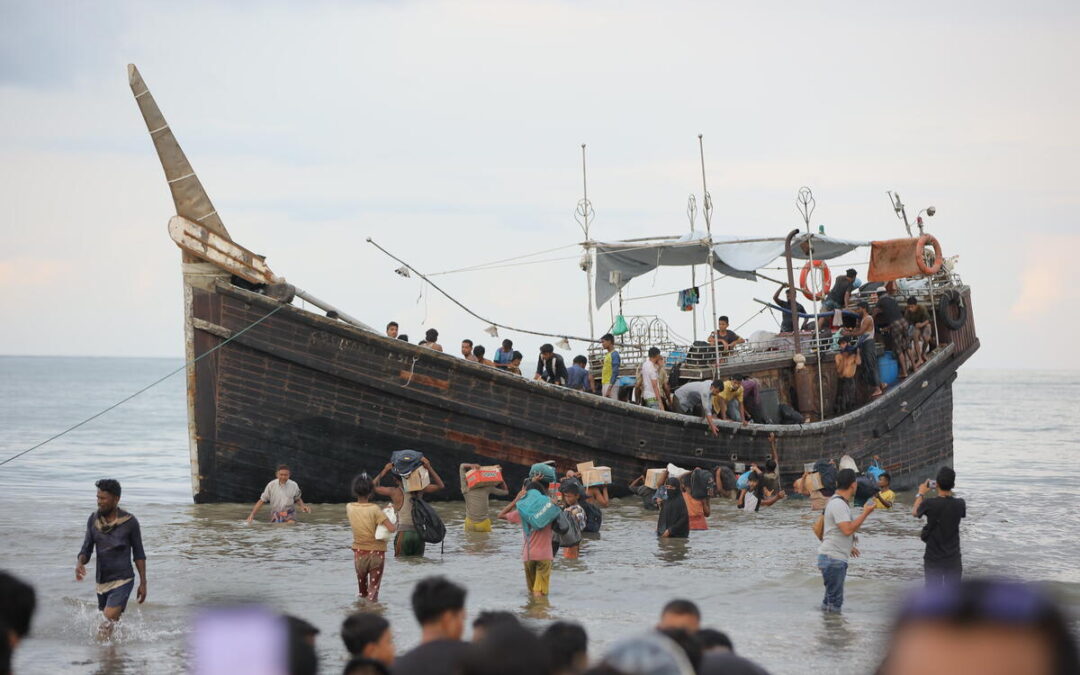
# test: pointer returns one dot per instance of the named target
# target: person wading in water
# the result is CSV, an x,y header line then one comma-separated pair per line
x,y
116,535
407,541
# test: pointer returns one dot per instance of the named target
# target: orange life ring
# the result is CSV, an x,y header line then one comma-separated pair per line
x,y
826,281
920,257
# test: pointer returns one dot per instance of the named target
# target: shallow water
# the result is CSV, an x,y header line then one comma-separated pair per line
x,y
753,574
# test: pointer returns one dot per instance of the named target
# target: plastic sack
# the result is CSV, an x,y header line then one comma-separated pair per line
x,y
381,533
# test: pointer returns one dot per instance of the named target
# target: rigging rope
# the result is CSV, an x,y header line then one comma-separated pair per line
x,y
147,387
469,311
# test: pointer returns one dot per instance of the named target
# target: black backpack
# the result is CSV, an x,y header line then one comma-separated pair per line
x,y
702,484
828,473
728,478
594,517
567,532
428,524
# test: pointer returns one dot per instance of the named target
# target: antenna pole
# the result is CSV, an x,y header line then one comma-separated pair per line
x,y
708,207
691,212
584,216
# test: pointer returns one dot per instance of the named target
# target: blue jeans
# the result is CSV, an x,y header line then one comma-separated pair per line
x,y
834,572
733,413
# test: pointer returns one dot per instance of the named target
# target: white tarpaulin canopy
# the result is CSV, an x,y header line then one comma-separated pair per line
x,y
619,262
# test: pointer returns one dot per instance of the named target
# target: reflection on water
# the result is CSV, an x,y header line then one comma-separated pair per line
x,y
753,574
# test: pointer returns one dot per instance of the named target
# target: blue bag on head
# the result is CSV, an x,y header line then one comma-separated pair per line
x,y
406,461
875,470
545,470
744,480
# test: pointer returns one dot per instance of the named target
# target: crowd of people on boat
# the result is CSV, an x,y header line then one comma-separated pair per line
x,y
906,331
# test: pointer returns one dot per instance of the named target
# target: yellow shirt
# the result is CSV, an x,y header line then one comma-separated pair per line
x,y
364,518
731,391
887,496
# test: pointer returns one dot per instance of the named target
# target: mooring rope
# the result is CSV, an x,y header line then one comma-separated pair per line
x,y
147,387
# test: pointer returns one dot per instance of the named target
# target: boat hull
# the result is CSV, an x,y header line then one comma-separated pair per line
x,y
331,401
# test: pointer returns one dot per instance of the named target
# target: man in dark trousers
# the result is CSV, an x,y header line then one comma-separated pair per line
x,y
941,562
116,535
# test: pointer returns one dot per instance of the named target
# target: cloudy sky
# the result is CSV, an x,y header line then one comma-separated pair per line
x,y
450,133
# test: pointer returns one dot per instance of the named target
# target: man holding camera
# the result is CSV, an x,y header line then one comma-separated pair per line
x,y
941,562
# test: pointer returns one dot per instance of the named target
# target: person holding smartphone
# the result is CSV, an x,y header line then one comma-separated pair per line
x,y
941,562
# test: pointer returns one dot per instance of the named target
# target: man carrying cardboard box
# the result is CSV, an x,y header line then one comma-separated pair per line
x,y
477,518
407,541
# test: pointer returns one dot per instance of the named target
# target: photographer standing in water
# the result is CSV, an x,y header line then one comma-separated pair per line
x,y
941,562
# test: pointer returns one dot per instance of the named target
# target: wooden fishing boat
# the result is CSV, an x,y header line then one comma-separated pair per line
x,y
271,382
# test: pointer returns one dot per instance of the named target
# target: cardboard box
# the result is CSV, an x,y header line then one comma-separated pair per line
x,y
654,478
584,466
813,482
598,475
417,480
485,476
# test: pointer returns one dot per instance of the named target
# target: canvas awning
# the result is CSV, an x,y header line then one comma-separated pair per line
x,y
619,262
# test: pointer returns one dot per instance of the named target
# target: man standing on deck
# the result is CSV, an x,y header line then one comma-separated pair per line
x,y
840,295
864,335
477,518
466,350
282,494
651,392
609,374
787,321
838,540
893,317
919,329
505,354
116,535
698,395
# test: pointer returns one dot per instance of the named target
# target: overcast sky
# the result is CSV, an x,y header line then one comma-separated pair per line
x,y
450,133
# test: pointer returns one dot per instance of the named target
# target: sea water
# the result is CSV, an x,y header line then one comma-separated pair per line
x,y
754,575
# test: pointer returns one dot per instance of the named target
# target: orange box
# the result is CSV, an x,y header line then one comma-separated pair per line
x,y
485,476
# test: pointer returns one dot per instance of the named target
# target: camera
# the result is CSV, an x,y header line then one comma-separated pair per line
x,y
932,484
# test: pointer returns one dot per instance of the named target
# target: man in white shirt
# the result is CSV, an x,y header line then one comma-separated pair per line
x,y
838,540
650,380
283,495
694,394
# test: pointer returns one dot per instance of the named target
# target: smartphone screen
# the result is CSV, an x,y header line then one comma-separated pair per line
x,y
238,641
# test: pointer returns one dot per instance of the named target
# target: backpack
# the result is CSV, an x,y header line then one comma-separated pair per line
x,y
865,488
537,511
702,484
727,478
828,474
406,461
594,517
567,532
428,524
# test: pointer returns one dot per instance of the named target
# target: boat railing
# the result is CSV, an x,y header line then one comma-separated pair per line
x,y
702,356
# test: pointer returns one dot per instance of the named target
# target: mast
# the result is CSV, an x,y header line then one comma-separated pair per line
x,y
691,213
708,207
805,203
188,195
584,215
